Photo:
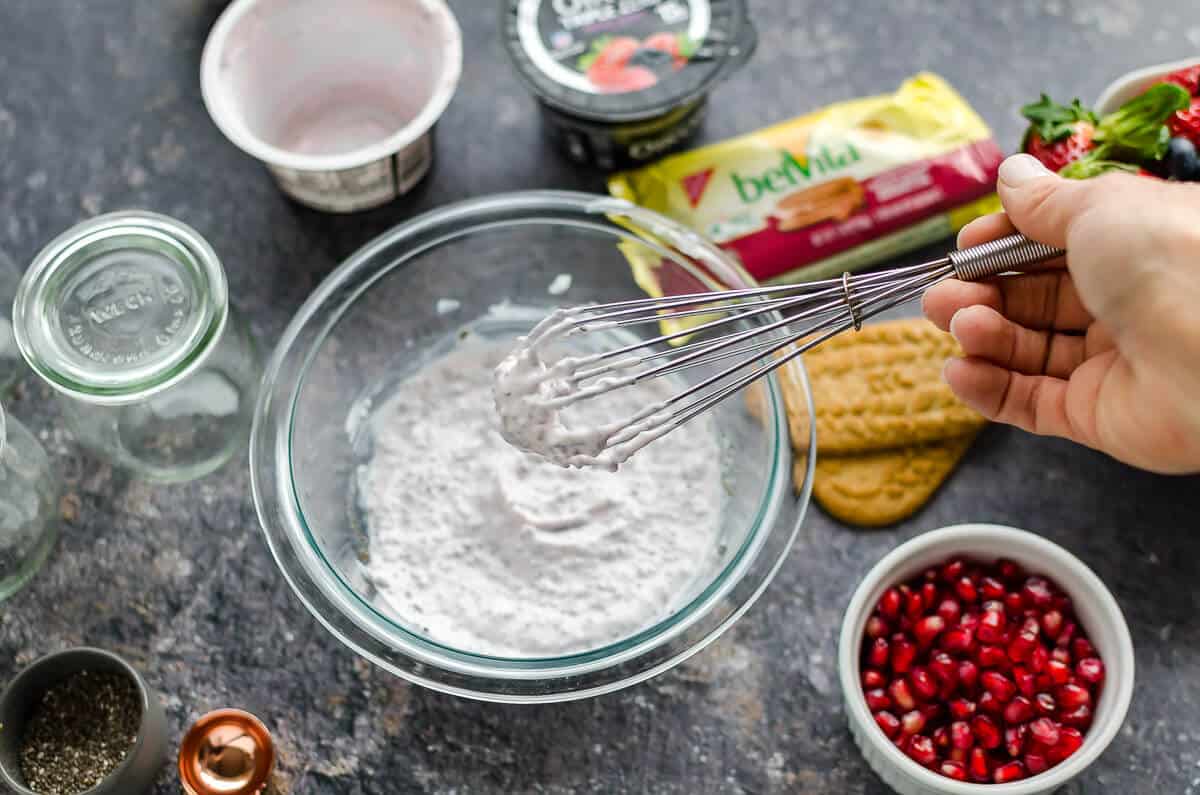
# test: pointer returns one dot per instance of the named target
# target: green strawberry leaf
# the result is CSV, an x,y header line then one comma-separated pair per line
x,y
1054,122
1137,130
1087,167
687,46
584,62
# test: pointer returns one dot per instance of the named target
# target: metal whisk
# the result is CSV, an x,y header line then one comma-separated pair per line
x,y
811,314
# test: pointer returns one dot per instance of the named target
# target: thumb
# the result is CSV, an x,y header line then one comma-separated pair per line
x,y
1041,204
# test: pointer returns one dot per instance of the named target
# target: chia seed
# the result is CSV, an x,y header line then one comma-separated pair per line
x,y
79,732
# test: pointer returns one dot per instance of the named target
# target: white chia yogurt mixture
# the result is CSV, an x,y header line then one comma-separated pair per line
x,y
492,550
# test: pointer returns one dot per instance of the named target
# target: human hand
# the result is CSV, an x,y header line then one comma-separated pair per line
x,y
1104,348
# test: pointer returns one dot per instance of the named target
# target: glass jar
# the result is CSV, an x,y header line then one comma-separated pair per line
x,y
127,316
28,500
11,366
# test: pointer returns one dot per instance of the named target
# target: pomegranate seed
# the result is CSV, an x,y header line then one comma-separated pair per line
x,y
961,708
1080,717
957,755
950,611
1082,647
929,595
1014,739
990,704
1022,646
903,653
958,639
941,737
1031,625
876,627
1062,655
1038,659
889,603
1036,763
942,666
986,731
914,605
1062,603
1058,671
1066,634
928,628
872,679
947,690
968,676
904,624
954,770
932,712
953,570
993,604
960,734
998,685
991,588
912,722
922,683
1012,771
991,627
921,749
966,589
979,766
877,653
1071,696
993,657
1045,731
1045,703
970,620
1071,740
1013,603
877,700
1024,680
902,695
889,723
930,575
1036,592
1019,710
1091,670
1009,570
1052,623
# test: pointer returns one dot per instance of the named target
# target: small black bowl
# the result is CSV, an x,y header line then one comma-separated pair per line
x,y
136,773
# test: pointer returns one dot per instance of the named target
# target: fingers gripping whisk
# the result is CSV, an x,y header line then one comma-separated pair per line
x,y
732,338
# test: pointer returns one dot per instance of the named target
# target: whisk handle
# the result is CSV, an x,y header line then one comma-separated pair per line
x,y
997,256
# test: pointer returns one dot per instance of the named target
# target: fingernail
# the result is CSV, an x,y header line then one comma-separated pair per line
x,y
1015,171
946,367
954,321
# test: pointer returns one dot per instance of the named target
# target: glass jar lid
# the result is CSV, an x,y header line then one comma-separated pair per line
x,y
120,307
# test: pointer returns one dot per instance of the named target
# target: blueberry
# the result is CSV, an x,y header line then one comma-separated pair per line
x,y
1182,160
652,59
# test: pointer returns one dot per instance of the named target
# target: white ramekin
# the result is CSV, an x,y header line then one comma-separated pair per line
x,y
1095,607
373,74
1130,84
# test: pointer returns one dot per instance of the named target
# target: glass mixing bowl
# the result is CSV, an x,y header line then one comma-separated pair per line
x,y
404,298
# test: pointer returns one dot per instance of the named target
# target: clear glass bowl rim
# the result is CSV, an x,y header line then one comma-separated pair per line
x,y
343,612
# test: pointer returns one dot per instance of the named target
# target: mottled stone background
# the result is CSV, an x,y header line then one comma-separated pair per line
x,y
100,110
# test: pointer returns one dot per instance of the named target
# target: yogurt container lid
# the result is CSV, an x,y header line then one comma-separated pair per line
x,y
624,60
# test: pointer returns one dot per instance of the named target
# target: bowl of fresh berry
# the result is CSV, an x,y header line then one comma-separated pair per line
x,y
983,659
1146,122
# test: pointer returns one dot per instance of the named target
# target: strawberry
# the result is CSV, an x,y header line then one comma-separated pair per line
x,y
1058,134
1188,78
1186,123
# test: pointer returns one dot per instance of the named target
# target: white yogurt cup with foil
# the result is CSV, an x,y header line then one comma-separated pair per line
x,y
338,100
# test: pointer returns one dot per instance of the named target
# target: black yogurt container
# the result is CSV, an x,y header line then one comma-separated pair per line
x,y
623,82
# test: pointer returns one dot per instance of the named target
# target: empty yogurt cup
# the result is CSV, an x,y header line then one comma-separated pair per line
x,y
338,100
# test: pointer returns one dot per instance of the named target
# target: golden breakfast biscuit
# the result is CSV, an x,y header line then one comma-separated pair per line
x,y
883,487
834,200
880,388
